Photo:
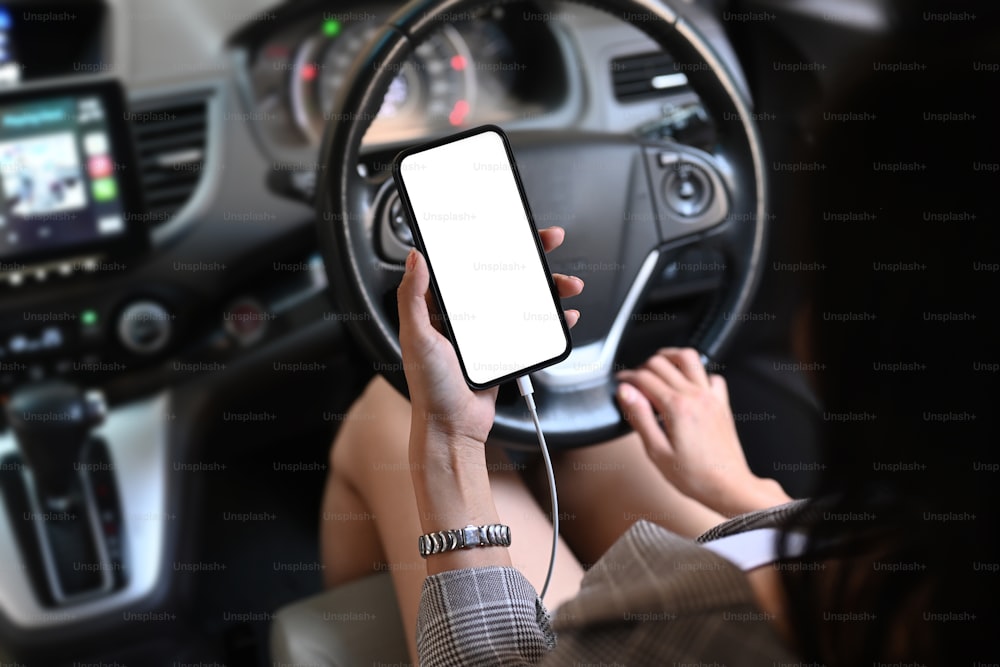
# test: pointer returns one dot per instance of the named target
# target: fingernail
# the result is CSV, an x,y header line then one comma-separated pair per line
x,y
411,259
626,393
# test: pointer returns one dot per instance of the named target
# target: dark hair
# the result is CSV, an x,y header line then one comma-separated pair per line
x,y
903,321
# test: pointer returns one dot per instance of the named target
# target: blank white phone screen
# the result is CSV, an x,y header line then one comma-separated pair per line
x,y
482,253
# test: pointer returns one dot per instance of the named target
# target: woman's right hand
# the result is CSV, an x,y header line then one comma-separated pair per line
x,y
683,416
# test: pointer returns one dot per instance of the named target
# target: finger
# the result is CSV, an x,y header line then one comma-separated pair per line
x,y
639,414
719,387
668,372
567,286
552,237
652,386
414,319
689,361
572,317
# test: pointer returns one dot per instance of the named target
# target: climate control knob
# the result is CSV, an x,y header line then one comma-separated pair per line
x,y
144,327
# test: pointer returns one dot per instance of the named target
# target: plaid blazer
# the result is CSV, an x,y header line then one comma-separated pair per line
x,y
653,599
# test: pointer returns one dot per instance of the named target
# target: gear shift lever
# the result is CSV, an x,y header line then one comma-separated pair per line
x,y
69,533
51,422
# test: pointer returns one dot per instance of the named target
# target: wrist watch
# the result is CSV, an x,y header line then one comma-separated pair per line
x,y
492,535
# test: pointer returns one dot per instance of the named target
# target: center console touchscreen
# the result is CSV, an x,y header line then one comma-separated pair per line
x,y
69,183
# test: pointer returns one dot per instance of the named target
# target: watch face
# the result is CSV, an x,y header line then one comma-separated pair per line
x,y
470,537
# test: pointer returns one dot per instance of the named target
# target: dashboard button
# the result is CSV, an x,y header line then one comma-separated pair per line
x,y
51,337
18,344
144,327
246,321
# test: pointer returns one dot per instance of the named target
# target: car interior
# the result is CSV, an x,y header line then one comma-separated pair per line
x,y
200,241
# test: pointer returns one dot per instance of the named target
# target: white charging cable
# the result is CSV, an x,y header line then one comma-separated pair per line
x,y
524,386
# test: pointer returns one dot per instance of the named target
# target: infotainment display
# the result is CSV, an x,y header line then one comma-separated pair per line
x,y
68,177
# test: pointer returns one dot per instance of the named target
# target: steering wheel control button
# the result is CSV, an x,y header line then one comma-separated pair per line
x,y
246,321
691,195
144,327
398,222
392,226
687,189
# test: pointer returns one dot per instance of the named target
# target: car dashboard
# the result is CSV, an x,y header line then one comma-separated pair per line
x,y
239,103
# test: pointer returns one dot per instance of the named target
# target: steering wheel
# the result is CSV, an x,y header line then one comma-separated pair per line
x,y
633,210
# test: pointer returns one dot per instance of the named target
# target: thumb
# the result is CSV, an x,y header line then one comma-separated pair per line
x,y
414,320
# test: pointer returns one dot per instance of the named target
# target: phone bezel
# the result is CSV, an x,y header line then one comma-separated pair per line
x,y
418,239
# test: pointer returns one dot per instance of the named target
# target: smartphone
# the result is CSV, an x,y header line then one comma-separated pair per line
x,y
470,219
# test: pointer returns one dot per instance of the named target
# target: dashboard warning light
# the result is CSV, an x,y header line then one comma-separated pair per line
x,y
308,72
458,63
331,27
458,112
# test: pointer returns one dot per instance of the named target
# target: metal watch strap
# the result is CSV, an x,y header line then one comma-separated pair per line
x,y
491,535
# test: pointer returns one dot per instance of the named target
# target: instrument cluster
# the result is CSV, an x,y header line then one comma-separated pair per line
x,y
498,66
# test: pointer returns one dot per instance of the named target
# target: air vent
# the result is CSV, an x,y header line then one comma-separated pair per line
x,y
645,76
171,139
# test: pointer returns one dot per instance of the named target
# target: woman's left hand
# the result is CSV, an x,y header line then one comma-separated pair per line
x,y
443,404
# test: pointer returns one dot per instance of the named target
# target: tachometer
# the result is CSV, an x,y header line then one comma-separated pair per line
x,y
434,89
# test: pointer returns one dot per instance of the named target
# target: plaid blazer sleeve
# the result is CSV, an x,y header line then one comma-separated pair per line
x,y
771,517
482,616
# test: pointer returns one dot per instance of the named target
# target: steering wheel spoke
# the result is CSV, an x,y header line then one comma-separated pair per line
x,y
593,363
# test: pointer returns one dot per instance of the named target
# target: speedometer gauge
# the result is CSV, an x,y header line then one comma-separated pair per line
x,y
433,89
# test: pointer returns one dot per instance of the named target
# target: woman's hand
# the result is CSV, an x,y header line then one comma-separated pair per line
x,y
441,401
450,422
443,405
696,447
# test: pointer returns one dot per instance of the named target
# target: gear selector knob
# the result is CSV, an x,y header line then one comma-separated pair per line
x,y
51,421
